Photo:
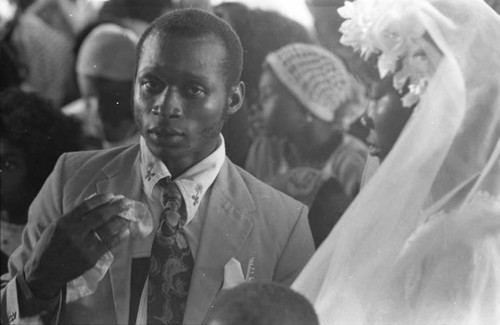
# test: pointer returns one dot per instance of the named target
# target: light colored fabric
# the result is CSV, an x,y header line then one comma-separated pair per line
x,y
317,78
108,52
47,57
193,183
67,17
414,247
238,217
85,110
495,4
371,166
267,160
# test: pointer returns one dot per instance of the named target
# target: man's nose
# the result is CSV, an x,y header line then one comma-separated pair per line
x,y
168,104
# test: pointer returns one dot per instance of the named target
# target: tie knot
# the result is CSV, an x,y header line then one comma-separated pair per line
x,y
172,202
171,193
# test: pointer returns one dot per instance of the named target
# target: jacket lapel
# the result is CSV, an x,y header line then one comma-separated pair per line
x,y
123,177
226,228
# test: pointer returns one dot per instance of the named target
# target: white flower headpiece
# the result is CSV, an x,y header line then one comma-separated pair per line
x,y
392,30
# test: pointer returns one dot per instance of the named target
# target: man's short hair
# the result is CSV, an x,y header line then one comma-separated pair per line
x,y
194,23
259,303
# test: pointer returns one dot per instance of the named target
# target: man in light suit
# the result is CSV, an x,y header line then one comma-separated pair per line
x,y
237,228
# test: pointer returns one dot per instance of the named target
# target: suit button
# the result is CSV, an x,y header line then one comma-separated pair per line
x,y
12,316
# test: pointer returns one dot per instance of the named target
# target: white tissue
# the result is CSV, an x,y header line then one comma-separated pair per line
x,y
141,225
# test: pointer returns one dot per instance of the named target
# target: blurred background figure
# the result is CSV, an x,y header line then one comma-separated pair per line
x,y
306,93
105,70
198,4
34,55
260,303
327,22
261,32
33,135
134,14
68,17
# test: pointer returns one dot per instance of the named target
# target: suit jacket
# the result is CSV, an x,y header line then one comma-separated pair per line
x,y
246,220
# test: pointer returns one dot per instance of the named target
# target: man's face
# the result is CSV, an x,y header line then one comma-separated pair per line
x,y
181,97
385,119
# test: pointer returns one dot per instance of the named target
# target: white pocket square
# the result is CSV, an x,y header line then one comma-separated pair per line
x,y
233,273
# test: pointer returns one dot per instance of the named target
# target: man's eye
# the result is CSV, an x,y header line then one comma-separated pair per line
x,y
151,86
194,91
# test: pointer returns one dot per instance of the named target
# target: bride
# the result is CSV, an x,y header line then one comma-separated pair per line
x,y
421,242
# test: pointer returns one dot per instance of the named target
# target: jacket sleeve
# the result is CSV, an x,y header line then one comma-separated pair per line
x,y
298,250
18,305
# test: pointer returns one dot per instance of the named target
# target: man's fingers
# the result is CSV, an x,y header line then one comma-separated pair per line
x,y
111,228
113,241
102,214
91,203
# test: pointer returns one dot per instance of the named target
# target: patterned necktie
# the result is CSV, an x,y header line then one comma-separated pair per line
x,y
171,263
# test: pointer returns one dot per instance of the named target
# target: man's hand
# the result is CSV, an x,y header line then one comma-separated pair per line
x,y
72,244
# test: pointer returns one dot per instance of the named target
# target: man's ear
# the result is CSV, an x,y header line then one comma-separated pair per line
x,y
236,97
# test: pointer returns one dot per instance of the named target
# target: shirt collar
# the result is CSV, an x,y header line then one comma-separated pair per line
x,y
193,183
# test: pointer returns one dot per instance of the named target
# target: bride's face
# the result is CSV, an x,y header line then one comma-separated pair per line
x,y
385,118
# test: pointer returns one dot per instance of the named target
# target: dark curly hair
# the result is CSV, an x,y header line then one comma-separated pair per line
x,y
31,123
261,303
195,23
261,32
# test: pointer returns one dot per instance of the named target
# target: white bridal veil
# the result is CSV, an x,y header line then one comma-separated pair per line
x,y
421,242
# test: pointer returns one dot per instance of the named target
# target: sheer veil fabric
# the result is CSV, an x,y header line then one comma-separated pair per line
x,y
421,242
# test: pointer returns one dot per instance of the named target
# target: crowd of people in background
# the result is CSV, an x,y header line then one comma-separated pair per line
x,y
320,120
87,53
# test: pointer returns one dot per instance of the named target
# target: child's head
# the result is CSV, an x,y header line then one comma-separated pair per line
x,y
33,135
261,303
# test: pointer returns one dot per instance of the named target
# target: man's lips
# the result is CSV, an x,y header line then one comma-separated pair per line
x,y
165,134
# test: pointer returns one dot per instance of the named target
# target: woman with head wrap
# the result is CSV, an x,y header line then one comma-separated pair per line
x,y
105,71
306,93
421,242
261,32
306,96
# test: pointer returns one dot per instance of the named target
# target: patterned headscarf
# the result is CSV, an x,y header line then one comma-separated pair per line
x,y
316,77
